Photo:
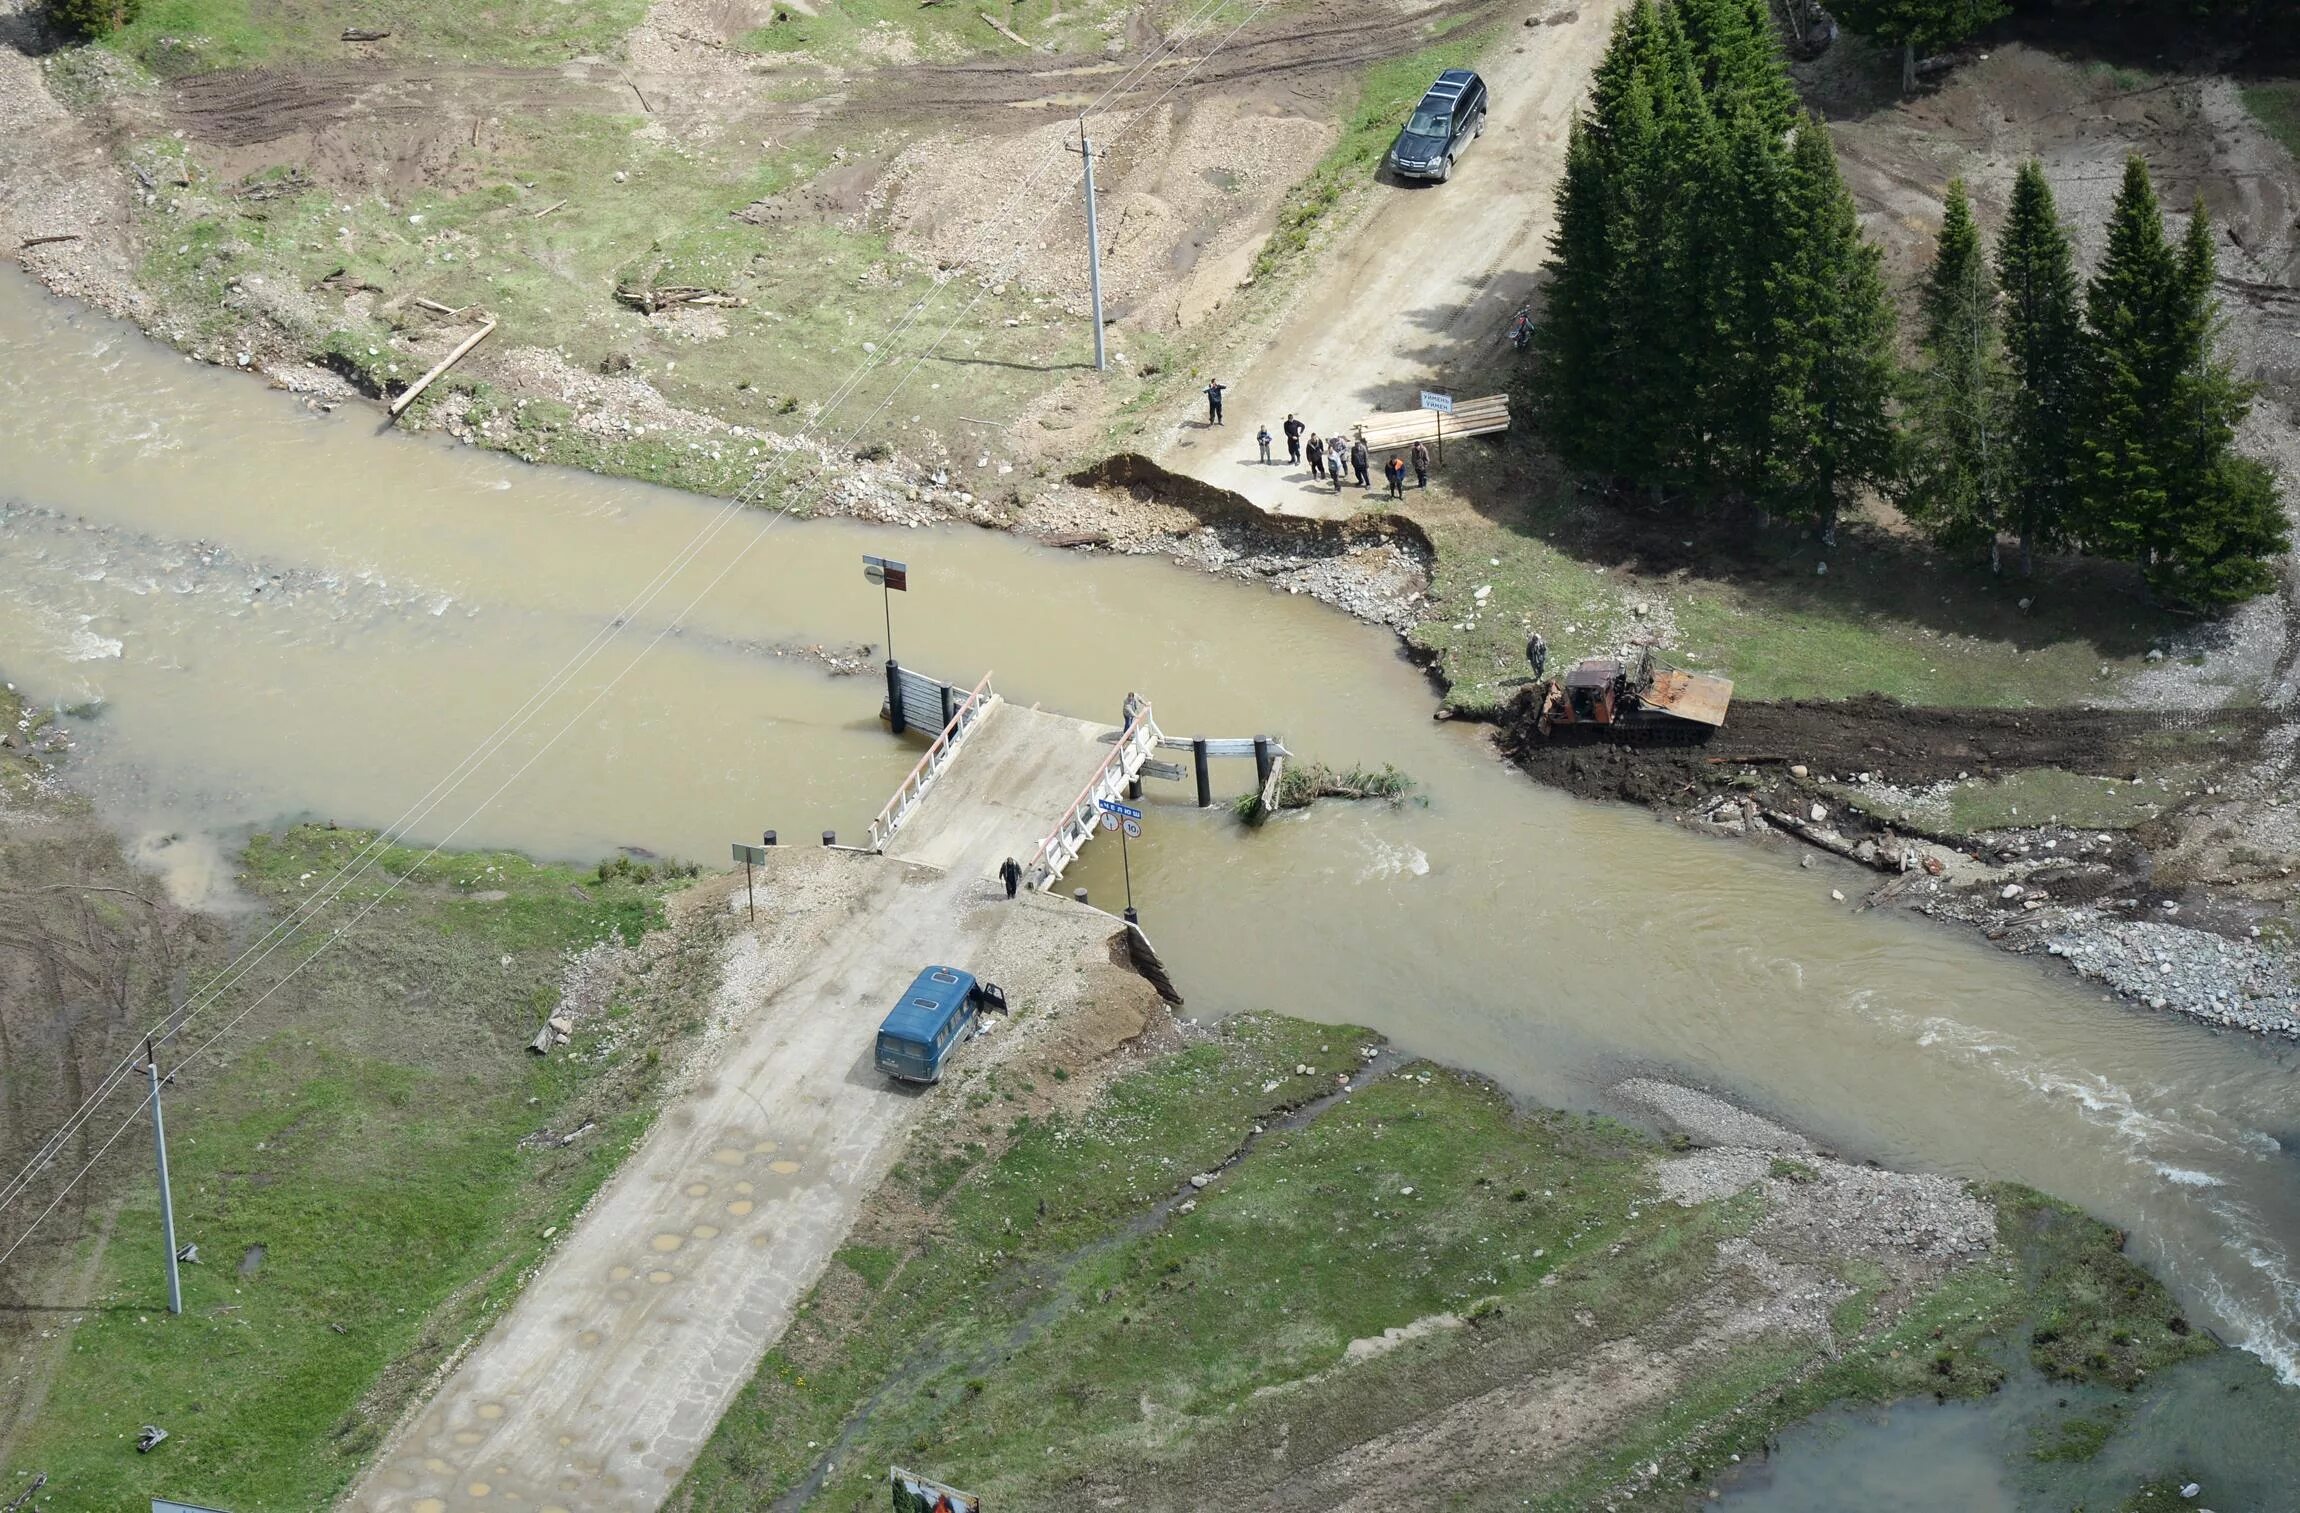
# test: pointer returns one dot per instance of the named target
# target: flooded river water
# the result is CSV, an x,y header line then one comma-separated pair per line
x,y
285,614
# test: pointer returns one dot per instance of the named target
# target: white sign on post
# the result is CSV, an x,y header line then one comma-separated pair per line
x,y
1432,400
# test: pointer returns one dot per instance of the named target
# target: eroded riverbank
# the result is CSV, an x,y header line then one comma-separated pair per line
x,y
1554,945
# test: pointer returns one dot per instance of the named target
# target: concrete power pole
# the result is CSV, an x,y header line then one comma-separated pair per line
x,y
167,1198
1085,151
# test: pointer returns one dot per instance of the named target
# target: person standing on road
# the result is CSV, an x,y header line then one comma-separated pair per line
x,y
1421,464
1262,439
1214,402
1317,451
1395,471
1336,454
1293,429
1362,463
1010,873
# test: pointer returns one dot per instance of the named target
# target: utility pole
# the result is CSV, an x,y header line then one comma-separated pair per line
x,y
167,1198
1085,151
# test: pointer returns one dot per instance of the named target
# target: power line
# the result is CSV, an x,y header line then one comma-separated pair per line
x,y
377,844
363,860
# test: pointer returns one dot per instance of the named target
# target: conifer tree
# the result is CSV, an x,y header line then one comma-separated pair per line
x,y
1835,427
1577,335
1755,366
2158,478
1962,453
1914,24
2041,342
2225,519
2130,366
1738,56
92,18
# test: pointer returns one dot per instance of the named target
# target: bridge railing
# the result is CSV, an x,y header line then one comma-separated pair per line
x,y
1076,827
938,756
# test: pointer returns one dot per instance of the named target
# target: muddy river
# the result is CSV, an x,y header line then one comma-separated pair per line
x,y
271,613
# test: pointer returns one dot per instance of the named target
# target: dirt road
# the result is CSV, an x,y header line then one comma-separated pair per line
x,y
601,1383
1424,284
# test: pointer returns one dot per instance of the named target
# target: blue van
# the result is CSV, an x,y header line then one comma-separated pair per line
x,y
933,1015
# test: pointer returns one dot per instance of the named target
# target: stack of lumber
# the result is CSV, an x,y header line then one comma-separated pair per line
x,y
1470,417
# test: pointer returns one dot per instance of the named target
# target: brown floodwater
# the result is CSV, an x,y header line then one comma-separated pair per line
x,y
274,614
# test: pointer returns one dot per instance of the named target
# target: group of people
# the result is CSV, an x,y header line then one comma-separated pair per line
x,y
1329,457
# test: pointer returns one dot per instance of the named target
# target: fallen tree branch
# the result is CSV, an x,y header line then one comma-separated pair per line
x,y
1004,30
1826,840
651,300
546,210
399,405
363,34
42,241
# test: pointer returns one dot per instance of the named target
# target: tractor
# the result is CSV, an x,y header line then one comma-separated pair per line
x,y
1649,700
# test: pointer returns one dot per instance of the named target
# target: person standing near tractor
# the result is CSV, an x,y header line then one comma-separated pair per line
x,y
1362,463
1395,471
1214,402
1421,464
1293,429
1336,455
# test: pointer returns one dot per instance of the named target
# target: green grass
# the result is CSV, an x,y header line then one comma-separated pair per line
x,y
1386,93
2277,104
1889,616
821,298
894,31
365,1129
2097,1317
176,37
2037,796
1040,1308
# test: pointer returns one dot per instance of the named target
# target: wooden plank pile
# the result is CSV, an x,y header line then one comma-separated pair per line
x,y
1402,428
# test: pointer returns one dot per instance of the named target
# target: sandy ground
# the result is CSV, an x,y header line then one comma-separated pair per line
x,y
599,1385
1421,290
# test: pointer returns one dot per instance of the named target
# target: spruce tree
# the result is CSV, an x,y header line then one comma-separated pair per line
x,y
2041,342
1755,366
1835,428
2130,367
2224,519
1577,335
1738,55
92,18
1914,24
1962,454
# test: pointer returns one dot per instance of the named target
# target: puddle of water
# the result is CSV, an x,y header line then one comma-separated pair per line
x,y
285,615
2220,1421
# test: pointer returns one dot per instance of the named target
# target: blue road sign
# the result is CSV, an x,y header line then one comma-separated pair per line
x,y
1123,811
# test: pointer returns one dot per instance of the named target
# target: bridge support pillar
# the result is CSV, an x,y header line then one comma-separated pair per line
x,y
1261,762
894,718
1205,772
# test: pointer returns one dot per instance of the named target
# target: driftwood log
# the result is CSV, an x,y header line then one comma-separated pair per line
x,y
363,34
652,299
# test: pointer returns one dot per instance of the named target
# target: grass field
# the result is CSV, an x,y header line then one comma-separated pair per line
x,y
1887,616
2277,103
174,37
360,1167
1050,1299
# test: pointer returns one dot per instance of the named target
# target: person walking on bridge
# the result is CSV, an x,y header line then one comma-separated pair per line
x,y
1293,429
1010,873
1317,451
1214,402
1362,463
1421,464
1395,471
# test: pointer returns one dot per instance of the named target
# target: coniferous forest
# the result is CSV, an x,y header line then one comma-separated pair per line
x,y
1719,334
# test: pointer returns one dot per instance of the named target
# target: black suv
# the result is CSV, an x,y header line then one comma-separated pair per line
x,y
1448,119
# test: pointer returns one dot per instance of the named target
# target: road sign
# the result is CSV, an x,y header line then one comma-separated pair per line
x,y
1134,829
887,573
1123,811
1432,400
751,855
1110,822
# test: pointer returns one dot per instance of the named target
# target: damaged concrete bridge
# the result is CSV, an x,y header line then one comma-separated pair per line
x,y
599,1384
